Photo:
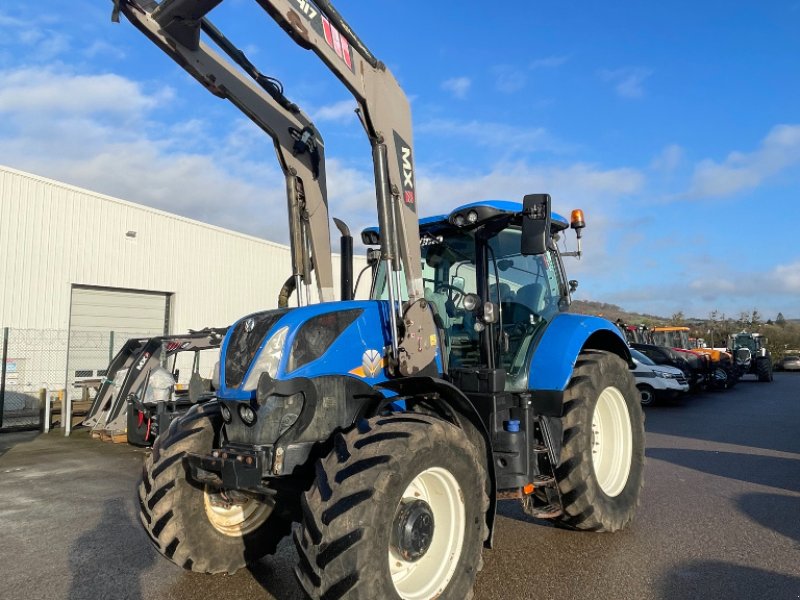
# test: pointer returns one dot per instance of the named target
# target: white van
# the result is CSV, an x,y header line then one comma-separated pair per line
x,y
657,382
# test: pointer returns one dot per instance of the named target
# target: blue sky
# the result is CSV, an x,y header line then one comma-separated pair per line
x,y
675,126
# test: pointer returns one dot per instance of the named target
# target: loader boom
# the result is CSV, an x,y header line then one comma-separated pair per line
x,y
298,144
175,26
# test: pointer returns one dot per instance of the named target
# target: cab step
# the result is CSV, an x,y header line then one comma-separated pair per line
x,y
541,481
547,511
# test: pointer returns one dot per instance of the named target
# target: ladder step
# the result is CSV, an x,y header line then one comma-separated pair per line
x,y
544,481
548,511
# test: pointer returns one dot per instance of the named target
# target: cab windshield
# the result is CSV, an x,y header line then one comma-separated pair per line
x,y
527,289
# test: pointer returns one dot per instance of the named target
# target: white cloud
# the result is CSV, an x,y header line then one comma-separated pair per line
x,y
567,184
457,86
509,79
788,277
27,91
668,159
95,132
40,43
341,112
548,62
713,284
627,81
739,172
508,138
103,48
9,21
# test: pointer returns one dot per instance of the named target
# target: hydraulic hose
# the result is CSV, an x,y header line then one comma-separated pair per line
x,y
286,292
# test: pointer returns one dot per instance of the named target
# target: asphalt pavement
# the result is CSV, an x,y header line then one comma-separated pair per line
x,y
719,518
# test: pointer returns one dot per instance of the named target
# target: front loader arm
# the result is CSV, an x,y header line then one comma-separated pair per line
x,y
299,146
386,116
175,25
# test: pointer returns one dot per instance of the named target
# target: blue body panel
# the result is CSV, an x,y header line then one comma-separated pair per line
x,y
562,341
370,330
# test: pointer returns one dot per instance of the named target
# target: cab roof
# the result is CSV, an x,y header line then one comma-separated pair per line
x,y
438,222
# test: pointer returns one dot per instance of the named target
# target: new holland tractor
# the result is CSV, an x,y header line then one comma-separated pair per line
x,y
751,355
388,429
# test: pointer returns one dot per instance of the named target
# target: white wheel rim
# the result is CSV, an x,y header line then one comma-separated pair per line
x,y
235,519
428,577
612,441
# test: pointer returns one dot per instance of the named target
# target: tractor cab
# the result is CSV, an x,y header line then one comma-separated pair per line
x,y
751,354
491,297
672,337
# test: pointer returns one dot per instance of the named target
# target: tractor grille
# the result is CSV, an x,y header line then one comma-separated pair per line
x,y
243,344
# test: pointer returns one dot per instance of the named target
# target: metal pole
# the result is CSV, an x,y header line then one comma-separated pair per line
x,y
3,375
111,348
43,410
48,412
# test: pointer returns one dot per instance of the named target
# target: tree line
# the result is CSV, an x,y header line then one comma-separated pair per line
x,y
782,335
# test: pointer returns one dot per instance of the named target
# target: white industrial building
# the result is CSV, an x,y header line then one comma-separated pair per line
x,y
74,262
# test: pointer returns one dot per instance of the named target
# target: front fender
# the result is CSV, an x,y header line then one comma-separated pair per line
x,y
565,338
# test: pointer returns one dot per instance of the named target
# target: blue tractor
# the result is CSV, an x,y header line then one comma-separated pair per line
x,y
386,430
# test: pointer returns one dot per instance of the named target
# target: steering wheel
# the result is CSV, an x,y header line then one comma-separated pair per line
x,y
454,294
523,319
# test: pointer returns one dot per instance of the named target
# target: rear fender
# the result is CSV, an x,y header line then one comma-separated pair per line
x,y
455,407
558,349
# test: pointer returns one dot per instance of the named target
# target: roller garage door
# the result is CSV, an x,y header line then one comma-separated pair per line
x,y
101,319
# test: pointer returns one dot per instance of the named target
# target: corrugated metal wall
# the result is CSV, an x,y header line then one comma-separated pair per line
x,y
53,236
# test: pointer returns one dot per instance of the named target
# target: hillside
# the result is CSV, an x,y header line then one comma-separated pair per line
x,y
782,336
612,312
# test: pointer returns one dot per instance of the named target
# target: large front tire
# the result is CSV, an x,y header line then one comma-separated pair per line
x,y
198,529
397,510
764,370
600,473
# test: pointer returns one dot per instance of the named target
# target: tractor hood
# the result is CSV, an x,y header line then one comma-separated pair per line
x,y
331,338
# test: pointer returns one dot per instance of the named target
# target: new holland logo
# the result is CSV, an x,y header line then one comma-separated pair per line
x,y
249,325
371,362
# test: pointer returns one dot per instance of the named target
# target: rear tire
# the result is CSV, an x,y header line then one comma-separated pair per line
x,y
346,541
195,528
764,370
600,474
647,394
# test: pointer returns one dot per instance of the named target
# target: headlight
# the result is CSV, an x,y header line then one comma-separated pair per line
x,y
268,360
661,374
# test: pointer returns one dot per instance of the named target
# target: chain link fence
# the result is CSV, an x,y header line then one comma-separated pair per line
x,y
45,364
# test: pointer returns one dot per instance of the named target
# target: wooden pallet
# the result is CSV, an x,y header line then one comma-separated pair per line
x,y
115,437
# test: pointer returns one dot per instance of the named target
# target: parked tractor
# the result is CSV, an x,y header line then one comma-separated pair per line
x,y
751,355
389,428
722,370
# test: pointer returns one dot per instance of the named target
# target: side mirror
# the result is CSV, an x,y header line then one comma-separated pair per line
x,y
458,282
535,224
573,285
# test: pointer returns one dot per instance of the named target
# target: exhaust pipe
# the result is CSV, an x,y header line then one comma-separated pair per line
x,y
347,259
